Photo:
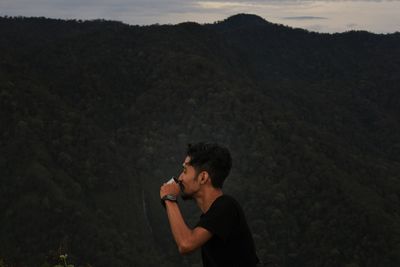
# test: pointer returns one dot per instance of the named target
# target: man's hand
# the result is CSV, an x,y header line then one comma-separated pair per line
x,y
169,189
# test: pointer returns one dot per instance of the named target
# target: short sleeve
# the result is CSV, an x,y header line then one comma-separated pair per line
x,y
221,219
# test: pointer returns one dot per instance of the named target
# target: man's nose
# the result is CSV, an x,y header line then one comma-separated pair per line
x,y
179,179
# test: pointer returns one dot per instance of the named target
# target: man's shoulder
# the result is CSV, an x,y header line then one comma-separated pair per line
x,y
226,202
227,199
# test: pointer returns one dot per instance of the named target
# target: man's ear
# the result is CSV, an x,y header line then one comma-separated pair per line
x,y
204,177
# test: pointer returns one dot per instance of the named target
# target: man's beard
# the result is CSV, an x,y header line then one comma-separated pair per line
x,y
184,196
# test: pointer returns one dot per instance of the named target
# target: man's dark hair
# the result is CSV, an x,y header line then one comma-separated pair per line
x,y
213,158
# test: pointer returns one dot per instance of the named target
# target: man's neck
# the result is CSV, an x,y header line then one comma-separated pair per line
x,y
205,200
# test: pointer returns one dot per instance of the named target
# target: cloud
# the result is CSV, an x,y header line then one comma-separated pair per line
x,y
224,5
305,18
352,26
136,11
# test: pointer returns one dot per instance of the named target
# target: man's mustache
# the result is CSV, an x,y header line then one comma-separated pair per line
x,y
181,186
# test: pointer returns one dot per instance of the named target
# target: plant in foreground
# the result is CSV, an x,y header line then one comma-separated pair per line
x,y
64,261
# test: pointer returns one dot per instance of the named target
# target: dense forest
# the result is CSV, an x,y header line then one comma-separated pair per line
x,y
96,115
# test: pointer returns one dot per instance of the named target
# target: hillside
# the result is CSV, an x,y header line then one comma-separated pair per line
x,y
95,115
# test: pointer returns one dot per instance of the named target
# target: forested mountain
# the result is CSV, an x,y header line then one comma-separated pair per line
x,y
96,115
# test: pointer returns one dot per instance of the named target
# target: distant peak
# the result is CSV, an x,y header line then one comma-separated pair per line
x,y
189,23
245,20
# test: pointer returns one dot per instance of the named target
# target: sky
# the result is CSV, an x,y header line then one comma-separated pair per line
x,y
379,16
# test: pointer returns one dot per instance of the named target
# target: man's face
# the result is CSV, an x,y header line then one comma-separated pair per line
x,y
188,180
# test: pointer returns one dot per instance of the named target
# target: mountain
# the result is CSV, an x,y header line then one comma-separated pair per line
x,y
95,116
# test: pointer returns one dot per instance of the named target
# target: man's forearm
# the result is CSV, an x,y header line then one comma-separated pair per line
x,y
180,230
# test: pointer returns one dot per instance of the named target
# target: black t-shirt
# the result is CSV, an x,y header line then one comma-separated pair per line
x,y
231,244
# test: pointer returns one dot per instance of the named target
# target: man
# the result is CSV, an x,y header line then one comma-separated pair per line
x,y
222,231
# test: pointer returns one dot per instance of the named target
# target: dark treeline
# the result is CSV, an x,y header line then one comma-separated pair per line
x,y
95,115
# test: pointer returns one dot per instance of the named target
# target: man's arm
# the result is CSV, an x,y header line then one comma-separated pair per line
x,y
187,240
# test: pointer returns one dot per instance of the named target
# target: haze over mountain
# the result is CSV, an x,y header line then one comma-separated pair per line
x,y
322,16
95,116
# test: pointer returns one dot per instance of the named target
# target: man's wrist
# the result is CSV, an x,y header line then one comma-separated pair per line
x,y
168,197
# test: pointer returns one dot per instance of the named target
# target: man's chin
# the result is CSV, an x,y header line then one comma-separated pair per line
x,y
186,196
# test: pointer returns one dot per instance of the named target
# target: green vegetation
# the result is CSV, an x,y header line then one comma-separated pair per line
x,y
95,115
64,262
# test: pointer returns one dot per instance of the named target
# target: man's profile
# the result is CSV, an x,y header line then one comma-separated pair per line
x,y
222,232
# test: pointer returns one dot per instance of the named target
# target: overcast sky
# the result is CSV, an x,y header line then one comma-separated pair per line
x,y
380,16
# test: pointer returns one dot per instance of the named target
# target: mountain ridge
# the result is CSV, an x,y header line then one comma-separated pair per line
x,y
95,116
